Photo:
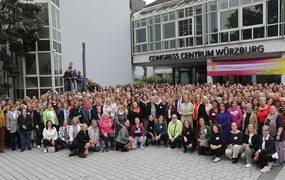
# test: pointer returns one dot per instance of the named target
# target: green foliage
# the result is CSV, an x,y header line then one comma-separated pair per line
x,y
152,80
20,23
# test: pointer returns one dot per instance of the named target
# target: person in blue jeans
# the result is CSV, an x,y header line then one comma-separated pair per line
x,y
25,130
79,81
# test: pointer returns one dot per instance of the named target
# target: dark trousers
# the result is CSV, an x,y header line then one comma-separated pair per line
x,y
218,152
121,146
18,140
109,139
26,140
39,136
47,143
259,131
264,159
13,141
2,139
163,138
62,144
203,150
176,143
185,144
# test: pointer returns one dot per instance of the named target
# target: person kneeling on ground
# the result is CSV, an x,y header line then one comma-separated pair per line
x,y
216,142
203,138
160,131
138,133
122,140
81,143
94,134
150,137
174,132
235,148
267,153
188,137
50,136
64,138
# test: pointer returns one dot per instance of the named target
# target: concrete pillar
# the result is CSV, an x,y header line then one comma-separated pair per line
x,y
283,75
209,78
194,75
253,79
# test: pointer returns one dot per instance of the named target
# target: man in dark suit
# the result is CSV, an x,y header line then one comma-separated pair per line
x,y
89,113
266,154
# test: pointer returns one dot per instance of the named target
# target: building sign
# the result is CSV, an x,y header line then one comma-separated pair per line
x,y
226,51
257,67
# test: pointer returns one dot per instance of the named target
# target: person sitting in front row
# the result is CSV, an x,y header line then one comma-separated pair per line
x,y
138,133
174,132
94,134
216,142
266,154
203,138
160,132
49,136
122,141
81,144
235,148
64,135
188,137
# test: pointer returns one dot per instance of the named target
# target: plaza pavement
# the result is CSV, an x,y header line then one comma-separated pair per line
x,y
157,163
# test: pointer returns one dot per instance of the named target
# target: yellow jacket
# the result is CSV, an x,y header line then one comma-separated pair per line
x,y
2,119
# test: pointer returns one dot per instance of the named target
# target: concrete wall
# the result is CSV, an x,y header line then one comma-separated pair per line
x,y
105,27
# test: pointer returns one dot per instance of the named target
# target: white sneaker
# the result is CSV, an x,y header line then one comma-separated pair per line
x,y
38,146
142,147
45,150
248,165
265,169
217,159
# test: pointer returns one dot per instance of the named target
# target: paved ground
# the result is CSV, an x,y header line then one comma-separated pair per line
x,y
151,163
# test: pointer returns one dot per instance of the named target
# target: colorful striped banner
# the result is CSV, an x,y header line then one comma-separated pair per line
x,y
257,67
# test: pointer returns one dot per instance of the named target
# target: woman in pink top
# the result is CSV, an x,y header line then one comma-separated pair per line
x,y
236,114
107,131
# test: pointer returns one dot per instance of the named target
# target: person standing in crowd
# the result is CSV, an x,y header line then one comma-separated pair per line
x,y
251,143
160,133
75,111
276,131
88,113
134,112
50,114
188,137
262,113
236,114
266,154
223,119
138,133
249,117
204,109
94,134
174,131
213,112
74,77
108,108
64,135
186,110
59,113
196,106
143,103
216,142
25,130
50,136
170,110
235,147
2,129
203,137
79,81
68,79
12,126
107,131
38,124
121,116
74,128
81,143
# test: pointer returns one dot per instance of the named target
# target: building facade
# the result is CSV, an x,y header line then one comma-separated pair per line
x,y
241,41
42,69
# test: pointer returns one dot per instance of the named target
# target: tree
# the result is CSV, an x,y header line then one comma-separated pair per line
x,y
20,24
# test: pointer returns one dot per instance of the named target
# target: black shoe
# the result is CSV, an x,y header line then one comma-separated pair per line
x,y
184,150
22,150
29,149
82,155
235,160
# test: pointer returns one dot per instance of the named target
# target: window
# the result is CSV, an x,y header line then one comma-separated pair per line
x,y
44,13
32,92
141,35
199,25
31,82
198,10
188,12
224,37
272,11
31,65
45,82
234,36
212,6
44,33
252,15
213,22
258,32
44,45
169,30
44,63
185,27
229,19
247,34
181,13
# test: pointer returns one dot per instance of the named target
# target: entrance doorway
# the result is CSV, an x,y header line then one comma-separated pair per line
x,y
190,75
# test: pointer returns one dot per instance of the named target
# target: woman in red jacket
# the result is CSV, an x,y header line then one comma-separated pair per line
x,y
262,113
107,131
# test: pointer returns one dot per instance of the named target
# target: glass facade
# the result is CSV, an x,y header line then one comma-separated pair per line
x,y
204,23
43,66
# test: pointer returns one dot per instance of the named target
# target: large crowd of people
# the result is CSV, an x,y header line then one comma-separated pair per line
x,y
234,121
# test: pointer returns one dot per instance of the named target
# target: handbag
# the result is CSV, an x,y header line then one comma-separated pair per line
x,y
51,149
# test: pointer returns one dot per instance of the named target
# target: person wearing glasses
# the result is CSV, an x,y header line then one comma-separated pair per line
x,y
266,154
174,132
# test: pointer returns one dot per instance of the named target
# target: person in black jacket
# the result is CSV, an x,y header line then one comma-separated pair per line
x,y
81,143
25,129
188,137
150,136
266,154
251,143
216,142
38,125
160,131
235,148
